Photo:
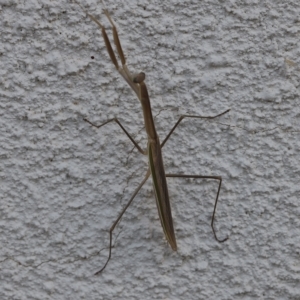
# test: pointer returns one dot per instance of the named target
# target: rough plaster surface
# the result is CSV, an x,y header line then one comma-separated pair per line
x,y
63,182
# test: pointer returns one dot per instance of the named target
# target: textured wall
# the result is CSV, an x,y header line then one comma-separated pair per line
x,y
63,182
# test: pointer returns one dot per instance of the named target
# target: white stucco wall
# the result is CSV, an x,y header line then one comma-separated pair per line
x,y
63,182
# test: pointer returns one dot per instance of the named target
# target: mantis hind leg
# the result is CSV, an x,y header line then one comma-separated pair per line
x,y
219,178
119,218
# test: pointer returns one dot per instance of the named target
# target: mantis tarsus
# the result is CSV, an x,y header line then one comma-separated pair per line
x,y
156,167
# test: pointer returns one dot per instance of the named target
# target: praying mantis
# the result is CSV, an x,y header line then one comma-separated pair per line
x,y
154,147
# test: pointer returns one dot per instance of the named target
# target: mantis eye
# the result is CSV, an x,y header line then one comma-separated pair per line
x,y
139,77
